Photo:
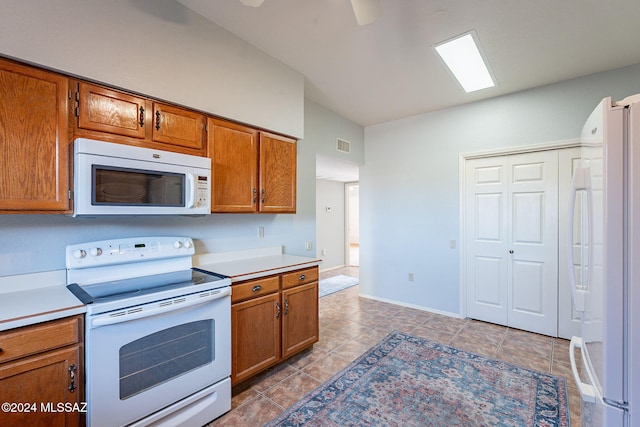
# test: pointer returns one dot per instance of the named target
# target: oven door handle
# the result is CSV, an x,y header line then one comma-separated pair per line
x,y
135,313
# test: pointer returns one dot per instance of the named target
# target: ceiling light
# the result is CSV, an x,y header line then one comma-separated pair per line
x,y
463,58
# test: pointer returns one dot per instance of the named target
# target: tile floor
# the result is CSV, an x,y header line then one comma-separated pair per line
x,y
350,325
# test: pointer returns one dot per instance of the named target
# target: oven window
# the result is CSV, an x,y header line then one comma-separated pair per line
x,y
116,186
163,355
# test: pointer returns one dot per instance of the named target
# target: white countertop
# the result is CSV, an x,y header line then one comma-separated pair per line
x,y
244,265
27,299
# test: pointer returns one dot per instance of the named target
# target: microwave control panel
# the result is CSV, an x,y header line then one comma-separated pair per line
x,y
202,191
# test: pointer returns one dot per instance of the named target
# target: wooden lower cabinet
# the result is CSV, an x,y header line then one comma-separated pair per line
x,y
300,318
255,336
271,320
43,388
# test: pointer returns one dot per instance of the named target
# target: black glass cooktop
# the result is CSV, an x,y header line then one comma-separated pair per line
x,y
145,285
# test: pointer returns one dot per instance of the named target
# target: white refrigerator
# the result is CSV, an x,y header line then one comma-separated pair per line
x,y
605,265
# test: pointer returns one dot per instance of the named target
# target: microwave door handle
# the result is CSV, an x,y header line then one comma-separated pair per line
x,y
191,190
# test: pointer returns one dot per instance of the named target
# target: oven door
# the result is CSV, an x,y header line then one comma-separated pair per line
x,y
143,360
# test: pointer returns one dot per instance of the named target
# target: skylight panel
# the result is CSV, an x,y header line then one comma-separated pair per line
x,y
463,58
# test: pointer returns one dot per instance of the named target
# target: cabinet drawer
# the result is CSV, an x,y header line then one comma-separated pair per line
x,y
254,288
34,339
299,277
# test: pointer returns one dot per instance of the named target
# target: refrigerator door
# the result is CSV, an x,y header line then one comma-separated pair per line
x,y
600,291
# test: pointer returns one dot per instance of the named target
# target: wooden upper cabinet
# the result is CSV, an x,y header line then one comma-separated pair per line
x,y
115,116
106,110
34,152
277,174
233,150
177,126
252,171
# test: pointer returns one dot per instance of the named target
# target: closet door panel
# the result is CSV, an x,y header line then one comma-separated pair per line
x,y
486,240
533,241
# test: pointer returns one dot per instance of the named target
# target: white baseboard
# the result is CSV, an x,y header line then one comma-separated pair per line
x,y
417,307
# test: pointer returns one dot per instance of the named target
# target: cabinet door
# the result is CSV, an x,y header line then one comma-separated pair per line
x,y
106,110
299,318
255,336
178,127
43,382
233,150
34,166
277,174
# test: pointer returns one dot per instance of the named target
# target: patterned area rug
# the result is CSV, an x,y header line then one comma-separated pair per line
x,y
411,381
335,284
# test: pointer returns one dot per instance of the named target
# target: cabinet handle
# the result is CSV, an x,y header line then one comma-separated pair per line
x,y
255,195
277,310
256,288
141,120
302,277
286,306
263,195
72,377
158,120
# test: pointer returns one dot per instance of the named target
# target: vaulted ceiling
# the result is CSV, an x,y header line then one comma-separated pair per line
x,y
389,69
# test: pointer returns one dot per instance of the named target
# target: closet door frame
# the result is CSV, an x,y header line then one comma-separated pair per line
x,y
462,179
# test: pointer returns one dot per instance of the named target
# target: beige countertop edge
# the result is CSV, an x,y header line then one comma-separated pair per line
x,y
253,268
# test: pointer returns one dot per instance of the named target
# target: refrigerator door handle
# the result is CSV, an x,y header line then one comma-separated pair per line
x,y
587,391
581,181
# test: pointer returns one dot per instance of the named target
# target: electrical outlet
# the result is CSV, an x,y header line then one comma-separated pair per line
x,y
323,252
260,232
411,277
308,246
452,244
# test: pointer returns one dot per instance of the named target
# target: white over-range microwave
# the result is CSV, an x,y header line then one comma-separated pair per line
x,y
118,179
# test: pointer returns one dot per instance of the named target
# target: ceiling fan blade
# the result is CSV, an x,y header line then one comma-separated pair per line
x,y
252,3
366,11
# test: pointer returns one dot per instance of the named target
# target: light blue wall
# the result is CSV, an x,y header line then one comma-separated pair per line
x,y
322,127
409,184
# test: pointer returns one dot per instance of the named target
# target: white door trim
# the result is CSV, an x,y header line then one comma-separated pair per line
x,y
462,158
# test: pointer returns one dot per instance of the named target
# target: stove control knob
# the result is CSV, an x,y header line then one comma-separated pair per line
x,y
188,244
177,244
79,253
95,251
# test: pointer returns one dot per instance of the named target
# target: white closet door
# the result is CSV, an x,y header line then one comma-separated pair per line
x,y
533,242
511,223
486,242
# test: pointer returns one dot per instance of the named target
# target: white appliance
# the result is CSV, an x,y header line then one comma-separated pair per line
x,y
119,179
157,333
606,284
